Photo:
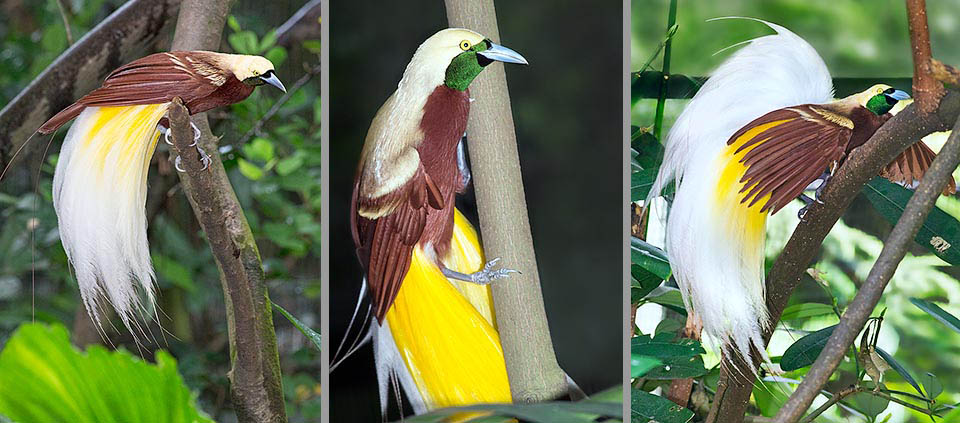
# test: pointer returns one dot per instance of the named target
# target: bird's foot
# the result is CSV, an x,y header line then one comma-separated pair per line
x,y
483,276
819,192
807,201
204,158
167,132
196,135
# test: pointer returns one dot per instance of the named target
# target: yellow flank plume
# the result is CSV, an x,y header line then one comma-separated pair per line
x,y
746,222
449,344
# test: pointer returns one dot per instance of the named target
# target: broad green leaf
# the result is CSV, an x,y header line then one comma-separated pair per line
x,y
931,385
45,379
641,364
268,41
649,257
870,404
260,149
646,407
312,335
805,351
805,310
648,148
938,313
939,233
642,282
895,365
641,182
288,165
250,170
670,299
233,24
173,271
276,55
243,42
680,358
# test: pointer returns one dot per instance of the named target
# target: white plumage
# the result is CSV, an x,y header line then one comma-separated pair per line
x,y
99,193
716,258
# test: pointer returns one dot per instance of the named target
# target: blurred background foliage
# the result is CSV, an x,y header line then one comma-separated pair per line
x,y
271,149
567,107
856,39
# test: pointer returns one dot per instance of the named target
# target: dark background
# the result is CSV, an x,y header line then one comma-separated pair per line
x,y
567,109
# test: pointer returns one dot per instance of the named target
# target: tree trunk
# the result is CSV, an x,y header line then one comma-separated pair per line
x,y
521,319
255,364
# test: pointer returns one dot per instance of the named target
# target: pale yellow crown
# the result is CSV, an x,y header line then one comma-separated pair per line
x,y
865,96
244,66
429,64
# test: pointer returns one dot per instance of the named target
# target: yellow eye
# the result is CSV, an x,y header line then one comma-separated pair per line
x,y
464,45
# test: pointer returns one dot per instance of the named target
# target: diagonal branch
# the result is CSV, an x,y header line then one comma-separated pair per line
x,y
926,89
255,384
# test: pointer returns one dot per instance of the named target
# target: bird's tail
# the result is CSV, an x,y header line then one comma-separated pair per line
x,y
714,242
439,338
99,193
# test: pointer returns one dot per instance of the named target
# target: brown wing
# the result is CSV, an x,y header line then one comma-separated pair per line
x,y
153,79
385,243
787,149
908,168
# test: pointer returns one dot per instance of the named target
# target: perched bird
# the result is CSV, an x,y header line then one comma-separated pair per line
x,y
779,132
433,327
100,182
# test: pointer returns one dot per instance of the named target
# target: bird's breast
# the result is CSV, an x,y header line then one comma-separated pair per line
x,y
232,91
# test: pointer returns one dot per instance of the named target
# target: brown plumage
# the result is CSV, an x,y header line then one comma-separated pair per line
x,y
203,80
803,141
387,227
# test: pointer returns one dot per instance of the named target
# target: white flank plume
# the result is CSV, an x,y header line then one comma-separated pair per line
x,y
716,261
99,193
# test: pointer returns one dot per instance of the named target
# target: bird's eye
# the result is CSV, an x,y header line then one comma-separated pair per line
x,y
464,45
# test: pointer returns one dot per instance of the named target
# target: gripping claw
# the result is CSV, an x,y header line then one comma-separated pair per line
x,y
176,165
196,134
488,274
166,135
204,158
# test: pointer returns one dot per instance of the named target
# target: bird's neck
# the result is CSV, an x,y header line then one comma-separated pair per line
x,y
865,123
443,123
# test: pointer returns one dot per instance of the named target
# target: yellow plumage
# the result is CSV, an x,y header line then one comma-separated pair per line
x,y
444,330
99,193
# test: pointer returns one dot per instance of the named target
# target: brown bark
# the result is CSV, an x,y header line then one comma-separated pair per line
x,y
255,365
527,347
926,89
117,40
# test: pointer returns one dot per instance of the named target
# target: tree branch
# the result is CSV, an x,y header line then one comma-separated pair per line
x,y
115,41
254,362
518,302
303,25
926,89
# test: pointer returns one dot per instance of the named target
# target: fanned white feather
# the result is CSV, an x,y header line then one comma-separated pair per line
x,y
721,278
391,367
99,193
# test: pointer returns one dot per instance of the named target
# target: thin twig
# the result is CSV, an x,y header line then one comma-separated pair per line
x,y
61,4
833,400
255,130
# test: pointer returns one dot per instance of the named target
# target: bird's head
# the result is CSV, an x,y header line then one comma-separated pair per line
x,y
252,70
455,56
881,98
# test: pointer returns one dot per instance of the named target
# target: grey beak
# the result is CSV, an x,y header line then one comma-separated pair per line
x,y
272,80
502,54
900,95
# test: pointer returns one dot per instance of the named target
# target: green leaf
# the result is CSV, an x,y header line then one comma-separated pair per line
x,y
267,41
250,170
45,379
670,299
313,46
312,335
870,404
805,310
642,282
895,365
232,22
641,182
288,165
276,55
938,313
649,257
939,233
681,358
174,271
641,364
648,148
931,385
646,407
243,42
260,149
805,351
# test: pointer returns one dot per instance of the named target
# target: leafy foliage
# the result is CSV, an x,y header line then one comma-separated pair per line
x,y
45,379
605,406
